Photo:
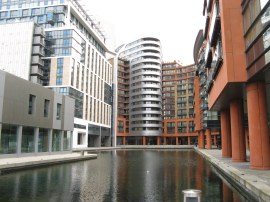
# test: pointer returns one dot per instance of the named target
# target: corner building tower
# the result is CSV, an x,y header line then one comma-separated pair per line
x,y
145,89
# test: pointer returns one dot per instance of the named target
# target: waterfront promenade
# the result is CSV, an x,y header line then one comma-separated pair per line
x,y
256,183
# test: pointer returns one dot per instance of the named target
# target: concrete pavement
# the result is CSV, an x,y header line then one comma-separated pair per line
x,y
255,183
17,163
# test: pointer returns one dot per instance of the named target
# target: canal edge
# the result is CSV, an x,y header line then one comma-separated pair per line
x,y
252,186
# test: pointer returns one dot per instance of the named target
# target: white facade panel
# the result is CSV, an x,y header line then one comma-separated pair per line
x,y
16,47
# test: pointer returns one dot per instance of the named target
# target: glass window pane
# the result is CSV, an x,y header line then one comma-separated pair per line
x,y
28,140
8,139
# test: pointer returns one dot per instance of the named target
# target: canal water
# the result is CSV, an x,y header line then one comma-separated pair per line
x,y
124,175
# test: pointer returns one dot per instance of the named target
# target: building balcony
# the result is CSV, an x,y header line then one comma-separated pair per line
x,y
204,107
51,17
214,31
37,50
35,70
36,60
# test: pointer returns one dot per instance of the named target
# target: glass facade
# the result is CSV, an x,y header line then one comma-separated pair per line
x,y
66,140
256,16
28,144
8,139
43,140
56,140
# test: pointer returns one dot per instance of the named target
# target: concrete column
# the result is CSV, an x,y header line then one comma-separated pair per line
x,y
188,140
226,134
238,131
36,134
176,141
19,140
124,141
201,139
215,140
164,140
258,126
50,131
208,138
61,140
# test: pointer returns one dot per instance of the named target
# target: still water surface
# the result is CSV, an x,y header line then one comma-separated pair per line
x,y
125,175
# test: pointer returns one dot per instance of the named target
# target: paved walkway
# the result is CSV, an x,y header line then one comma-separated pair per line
x,y
256,182
15,163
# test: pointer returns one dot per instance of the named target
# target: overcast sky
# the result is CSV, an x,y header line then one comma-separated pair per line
x,y
175,22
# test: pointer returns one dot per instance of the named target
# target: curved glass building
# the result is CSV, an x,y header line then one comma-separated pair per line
x,y
145,116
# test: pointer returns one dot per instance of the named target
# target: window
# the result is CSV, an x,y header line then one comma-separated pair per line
x,y
80,139
25,13
59,81
46,107
58,111
28,144
32,103
8,140
13,14
43,140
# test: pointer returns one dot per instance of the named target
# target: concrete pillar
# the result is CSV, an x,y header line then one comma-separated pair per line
x,y
215,140
176,141
19,140
164,140
201,139
61,140
208,138
258,126
188,140
50,131
36,134
226,134
124,141
237,131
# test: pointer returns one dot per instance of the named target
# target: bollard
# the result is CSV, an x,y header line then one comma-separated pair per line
x,y
192,195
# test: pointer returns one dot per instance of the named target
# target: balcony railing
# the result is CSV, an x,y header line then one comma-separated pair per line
x,y
214,30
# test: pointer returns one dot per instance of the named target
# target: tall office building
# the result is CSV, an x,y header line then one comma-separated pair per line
x,y
145,120
74,61
177,103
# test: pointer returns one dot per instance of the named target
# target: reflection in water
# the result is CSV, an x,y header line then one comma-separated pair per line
x,y
129,175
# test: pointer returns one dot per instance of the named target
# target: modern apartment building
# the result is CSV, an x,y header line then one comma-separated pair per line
x,y
33,120
237,32
144,95
207,123
177,103
74,62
